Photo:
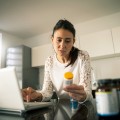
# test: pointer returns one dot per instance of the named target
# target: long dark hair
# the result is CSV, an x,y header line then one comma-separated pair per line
x,y
65,24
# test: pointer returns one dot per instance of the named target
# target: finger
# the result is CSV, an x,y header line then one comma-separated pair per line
x,y
32,97
28,90
24,98
76,96
78,92
28,98
29,94
24,91
75,90
31,90
74,87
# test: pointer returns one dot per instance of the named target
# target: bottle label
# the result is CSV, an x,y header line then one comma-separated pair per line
x,y
107,103
67,82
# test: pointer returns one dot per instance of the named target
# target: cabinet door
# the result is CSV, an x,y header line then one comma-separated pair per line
x,y
116,39
40,53
97,44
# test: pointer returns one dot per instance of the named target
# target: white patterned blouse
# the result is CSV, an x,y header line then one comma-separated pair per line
x,y
54,76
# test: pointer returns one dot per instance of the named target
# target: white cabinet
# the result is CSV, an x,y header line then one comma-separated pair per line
x,y
40,53
116,39
97,44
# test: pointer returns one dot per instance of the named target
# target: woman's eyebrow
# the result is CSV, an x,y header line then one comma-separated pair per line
x,y
59,37
68,38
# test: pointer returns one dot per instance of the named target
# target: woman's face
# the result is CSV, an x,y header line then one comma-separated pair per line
x,y
63,41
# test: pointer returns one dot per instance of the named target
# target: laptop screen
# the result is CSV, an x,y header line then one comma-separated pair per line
x,y
10,94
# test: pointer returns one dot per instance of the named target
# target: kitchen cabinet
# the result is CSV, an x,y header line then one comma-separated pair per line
x,y
40,53
116,39
97,44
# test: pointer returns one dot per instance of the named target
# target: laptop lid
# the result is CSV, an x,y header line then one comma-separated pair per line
x,y
10,94
11,100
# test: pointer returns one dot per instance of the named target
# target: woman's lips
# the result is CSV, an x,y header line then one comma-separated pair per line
x,y
62,51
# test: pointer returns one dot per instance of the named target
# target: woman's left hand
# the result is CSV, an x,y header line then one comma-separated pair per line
x,y
77,92
30,95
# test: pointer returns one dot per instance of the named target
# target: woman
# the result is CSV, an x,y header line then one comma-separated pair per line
x,y
66,58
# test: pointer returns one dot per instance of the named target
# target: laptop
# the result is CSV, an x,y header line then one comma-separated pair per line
x,y
11,100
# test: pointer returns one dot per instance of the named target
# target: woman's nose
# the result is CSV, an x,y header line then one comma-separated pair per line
x,y
62,44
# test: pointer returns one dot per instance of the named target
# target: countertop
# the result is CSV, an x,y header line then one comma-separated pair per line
x,y
59,111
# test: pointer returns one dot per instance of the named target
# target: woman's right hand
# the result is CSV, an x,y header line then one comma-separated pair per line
x,y
30,95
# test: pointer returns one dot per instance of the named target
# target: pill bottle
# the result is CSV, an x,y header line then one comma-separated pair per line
x,y
68,80
105,100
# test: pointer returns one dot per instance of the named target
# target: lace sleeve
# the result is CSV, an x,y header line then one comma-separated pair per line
x,y
85,74
47,89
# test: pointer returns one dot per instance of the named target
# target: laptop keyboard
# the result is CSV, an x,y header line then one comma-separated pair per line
x,y
33,104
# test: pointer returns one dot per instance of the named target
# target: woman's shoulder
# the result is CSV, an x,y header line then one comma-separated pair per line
x,y
83,54
49,60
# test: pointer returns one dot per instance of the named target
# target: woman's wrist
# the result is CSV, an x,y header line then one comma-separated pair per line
x,y
39,97
83,100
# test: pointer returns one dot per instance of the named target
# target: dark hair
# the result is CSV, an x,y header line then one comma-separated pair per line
x,y
65,24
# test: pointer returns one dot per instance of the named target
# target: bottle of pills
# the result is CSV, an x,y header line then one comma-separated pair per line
x,y
68,80
106,100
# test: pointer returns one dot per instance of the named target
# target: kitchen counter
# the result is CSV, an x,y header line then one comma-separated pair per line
x,y
59,111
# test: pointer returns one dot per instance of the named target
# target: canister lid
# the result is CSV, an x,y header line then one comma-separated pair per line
x,y
68,75
116,81
104,81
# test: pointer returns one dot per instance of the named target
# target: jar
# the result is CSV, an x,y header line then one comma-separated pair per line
x,y
106,99
116,84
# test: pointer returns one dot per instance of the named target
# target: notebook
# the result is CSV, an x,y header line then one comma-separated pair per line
x,y
11,100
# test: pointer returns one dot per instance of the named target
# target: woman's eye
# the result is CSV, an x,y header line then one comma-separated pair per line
x,y
58,40
67,41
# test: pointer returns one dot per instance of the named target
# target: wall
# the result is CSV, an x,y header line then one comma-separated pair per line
x,y
103,68
8,41
38,40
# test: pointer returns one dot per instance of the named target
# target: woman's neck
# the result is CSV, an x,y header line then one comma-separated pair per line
x,y
62,59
